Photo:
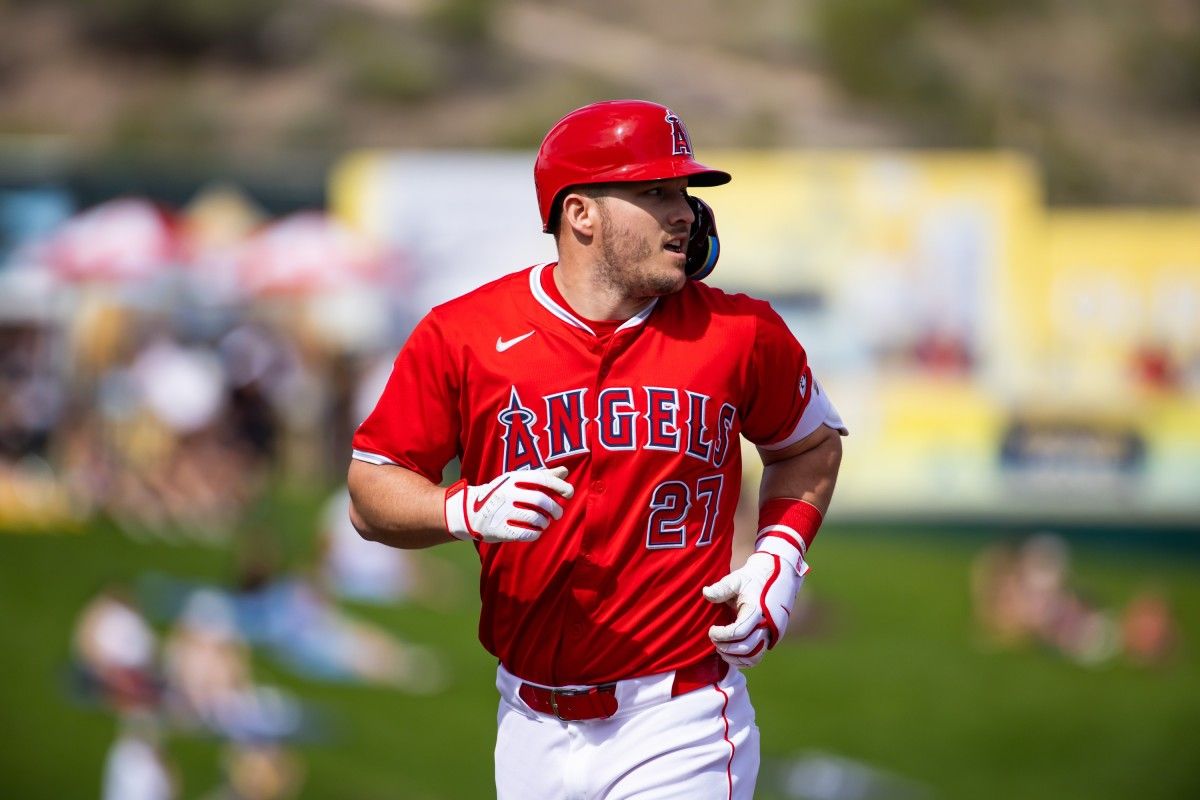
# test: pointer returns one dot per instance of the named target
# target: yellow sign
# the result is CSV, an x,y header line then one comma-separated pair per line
x,y
917,256
1118,305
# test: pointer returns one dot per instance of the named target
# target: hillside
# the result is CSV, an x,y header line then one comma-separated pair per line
x,y
1105,93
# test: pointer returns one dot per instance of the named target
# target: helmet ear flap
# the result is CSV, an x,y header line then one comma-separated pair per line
x,y
703,245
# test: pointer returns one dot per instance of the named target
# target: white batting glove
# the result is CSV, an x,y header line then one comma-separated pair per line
x,y
765,590
514,507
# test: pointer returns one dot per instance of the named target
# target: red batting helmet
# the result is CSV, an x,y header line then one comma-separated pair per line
x,y
615,141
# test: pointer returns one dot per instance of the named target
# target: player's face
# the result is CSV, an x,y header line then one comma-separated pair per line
x,y
643,234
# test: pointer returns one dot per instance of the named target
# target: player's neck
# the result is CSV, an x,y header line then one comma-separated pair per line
x,y
591,297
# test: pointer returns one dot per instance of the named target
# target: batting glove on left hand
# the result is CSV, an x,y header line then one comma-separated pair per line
x,y
765,590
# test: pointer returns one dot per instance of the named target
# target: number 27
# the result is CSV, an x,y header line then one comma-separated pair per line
x,y
670,504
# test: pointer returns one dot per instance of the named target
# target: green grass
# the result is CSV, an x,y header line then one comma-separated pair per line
x,y
902,683
895,678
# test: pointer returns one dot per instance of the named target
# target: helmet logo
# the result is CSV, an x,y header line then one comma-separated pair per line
x,y
681,145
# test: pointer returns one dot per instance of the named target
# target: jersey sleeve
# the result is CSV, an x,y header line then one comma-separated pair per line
x,y
415,423
783,403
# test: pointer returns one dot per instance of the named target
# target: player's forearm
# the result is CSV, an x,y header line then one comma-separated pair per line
x,y
396,506
796,487
806,471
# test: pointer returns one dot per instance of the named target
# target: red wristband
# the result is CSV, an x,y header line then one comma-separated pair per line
x,y
457,486
790,519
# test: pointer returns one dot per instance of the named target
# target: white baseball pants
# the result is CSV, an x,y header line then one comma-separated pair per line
x,y
702,745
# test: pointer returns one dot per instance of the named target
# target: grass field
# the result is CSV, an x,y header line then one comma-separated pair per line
x,y
895,679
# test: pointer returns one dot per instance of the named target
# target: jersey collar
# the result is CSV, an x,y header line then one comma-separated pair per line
x,y
566,315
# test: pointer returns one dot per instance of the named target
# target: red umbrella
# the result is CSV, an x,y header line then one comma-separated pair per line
x,y
305,253
128,239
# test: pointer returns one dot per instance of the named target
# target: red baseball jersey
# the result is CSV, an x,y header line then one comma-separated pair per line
x,y
646,418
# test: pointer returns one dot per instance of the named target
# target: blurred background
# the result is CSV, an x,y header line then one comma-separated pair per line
x,y
219,220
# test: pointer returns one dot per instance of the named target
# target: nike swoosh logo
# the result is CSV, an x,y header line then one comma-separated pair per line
x,y
502,345
482,501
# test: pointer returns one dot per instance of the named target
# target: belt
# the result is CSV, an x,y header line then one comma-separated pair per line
x,y
600,702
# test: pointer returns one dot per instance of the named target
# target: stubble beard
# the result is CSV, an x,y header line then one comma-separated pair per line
x,y
623,256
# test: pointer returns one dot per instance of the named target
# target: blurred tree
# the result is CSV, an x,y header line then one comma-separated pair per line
x,y
868,43
186,29
467,22
873,48
388,60
984,9
1165,65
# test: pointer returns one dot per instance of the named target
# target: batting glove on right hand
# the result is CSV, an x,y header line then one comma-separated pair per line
x,y
514,507
765,590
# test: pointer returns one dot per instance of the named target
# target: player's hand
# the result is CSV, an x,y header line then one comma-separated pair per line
x,y
514,507
764,590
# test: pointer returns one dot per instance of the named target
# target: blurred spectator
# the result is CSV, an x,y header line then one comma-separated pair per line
x,y
208,670
305,631
182,437
115,653
996,591
194,474
298,624
942,353
31,398
163,398
1022,595
257,771
356,569
1154,367
258,364
1149,632
136,767
1041,570
34,498
182,386
33,403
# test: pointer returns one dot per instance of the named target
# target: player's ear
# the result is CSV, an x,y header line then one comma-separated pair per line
x,y
579,214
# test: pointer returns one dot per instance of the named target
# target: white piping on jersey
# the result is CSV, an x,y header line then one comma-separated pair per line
x,y
371,458
541,295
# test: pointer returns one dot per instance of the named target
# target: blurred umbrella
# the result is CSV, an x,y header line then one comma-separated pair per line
x,y
306,253
123,240
214,228
219,217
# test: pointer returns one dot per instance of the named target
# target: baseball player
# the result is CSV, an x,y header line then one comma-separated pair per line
x,y
595,404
